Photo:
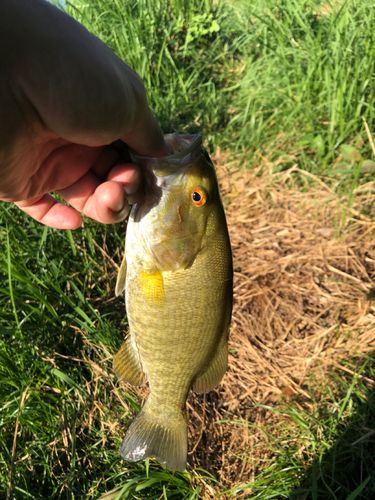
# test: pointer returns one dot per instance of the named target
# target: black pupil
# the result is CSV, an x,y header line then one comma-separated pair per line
x,y
196,196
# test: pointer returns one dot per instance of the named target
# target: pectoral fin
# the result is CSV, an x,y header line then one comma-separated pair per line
x,y
211,377
127,364
121,278
152,286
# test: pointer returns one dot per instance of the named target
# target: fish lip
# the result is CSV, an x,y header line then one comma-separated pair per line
x,y
140,210
157,185
196,141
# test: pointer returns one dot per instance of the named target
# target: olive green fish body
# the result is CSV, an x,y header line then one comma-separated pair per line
x,y
178,284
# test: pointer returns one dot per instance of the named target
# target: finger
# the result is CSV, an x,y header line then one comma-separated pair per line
x,y
50,212
105,161
111,156
105,202
129,176
146,136
108,204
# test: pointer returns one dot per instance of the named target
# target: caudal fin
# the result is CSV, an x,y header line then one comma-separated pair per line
x,y
165,440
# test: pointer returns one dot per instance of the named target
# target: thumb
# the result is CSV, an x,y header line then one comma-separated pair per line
x,y
146,136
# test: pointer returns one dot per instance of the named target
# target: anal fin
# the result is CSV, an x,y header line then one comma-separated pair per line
x,y
127,365
211,377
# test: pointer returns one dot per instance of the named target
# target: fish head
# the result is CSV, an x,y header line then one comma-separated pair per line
x,y
182,191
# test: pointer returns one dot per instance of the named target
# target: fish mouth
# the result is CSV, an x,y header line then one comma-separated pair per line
x,y
182,145
185,150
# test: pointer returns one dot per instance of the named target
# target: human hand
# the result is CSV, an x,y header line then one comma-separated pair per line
x,y
65,97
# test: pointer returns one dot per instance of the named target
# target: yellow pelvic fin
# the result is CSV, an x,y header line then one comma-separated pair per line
x,y
152,286
127,365
121,278
210,378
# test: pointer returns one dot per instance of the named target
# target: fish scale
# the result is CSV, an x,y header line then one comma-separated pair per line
x,y
177,274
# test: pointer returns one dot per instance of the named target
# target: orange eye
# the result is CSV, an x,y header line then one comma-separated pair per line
x,y
198,196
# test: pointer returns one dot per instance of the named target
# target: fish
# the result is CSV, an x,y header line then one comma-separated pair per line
x,y
177,274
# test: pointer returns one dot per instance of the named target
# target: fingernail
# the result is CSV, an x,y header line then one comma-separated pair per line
x,y
121,214
120,204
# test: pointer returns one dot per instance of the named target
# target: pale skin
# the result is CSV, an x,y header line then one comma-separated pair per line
x,y
65,98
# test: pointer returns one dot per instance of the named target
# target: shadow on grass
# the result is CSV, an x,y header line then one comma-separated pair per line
x,y
321,449
347,470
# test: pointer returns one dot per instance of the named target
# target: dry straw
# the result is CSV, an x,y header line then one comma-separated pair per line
x,y
303,288
302,303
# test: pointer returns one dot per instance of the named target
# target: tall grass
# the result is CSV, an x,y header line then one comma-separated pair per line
x,y
253,76
181,49
308,78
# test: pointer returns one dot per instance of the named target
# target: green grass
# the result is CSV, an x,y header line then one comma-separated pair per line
x,y
259,76
323,448
57,405
285,78
308,77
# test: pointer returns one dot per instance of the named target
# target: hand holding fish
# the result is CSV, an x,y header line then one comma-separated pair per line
x,y
65,98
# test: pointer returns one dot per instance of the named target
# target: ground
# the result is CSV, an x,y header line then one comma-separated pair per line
x,y
303,305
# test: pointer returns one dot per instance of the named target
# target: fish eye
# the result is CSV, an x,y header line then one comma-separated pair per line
x,y
198,196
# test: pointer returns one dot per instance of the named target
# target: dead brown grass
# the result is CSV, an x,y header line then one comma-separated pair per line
x,y
304,279
303,290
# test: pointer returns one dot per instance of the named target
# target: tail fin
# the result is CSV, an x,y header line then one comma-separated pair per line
x,y
150,436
